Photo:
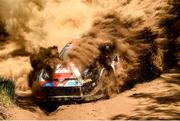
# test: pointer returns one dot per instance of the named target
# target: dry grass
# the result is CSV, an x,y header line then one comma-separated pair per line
x,y
7,96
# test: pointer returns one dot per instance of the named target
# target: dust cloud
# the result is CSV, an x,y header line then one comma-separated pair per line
x,y
144,33
35,24
28,25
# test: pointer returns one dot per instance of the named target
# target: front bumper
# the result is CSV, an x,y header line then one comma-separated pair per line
x,y
67,94
84,98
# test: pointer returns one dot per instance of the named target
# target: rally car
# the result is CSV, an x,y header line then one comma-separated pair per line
x,y
67,84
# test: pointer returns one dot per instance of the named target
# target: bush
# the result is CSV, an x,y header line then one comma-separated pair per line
x,y
7,92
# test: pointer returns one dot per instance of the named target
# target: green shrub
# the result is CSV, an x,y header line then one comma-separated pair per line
x,y
7,92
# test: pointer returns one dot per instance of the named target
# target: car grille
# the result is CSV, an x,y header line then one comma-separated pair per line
x,y
62,91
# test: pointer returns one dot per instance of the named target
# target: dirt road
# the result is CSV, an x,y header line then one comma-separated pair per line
x,y
146,34
157,99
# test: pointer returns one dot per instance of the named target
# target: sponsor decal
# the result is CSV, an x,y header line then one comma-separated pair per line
x,y
49,84
72,83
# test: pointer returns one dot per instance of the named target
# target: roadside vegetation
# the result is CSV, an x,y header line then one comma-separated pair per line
x,y
7,96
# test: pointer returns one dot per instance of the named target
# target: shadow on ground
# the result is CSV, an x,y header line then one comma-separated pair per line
x,y
163,104
26,103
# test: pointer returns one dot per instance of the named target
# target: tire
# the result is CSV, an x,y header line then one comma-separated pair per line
x,y
49,106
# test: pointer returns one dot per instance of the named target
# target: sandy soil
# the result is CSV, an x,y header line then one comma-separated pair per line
x,y
158,99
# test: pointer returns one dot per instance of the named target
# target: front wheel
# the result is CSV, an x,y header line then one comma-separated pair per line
x,y
49,106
